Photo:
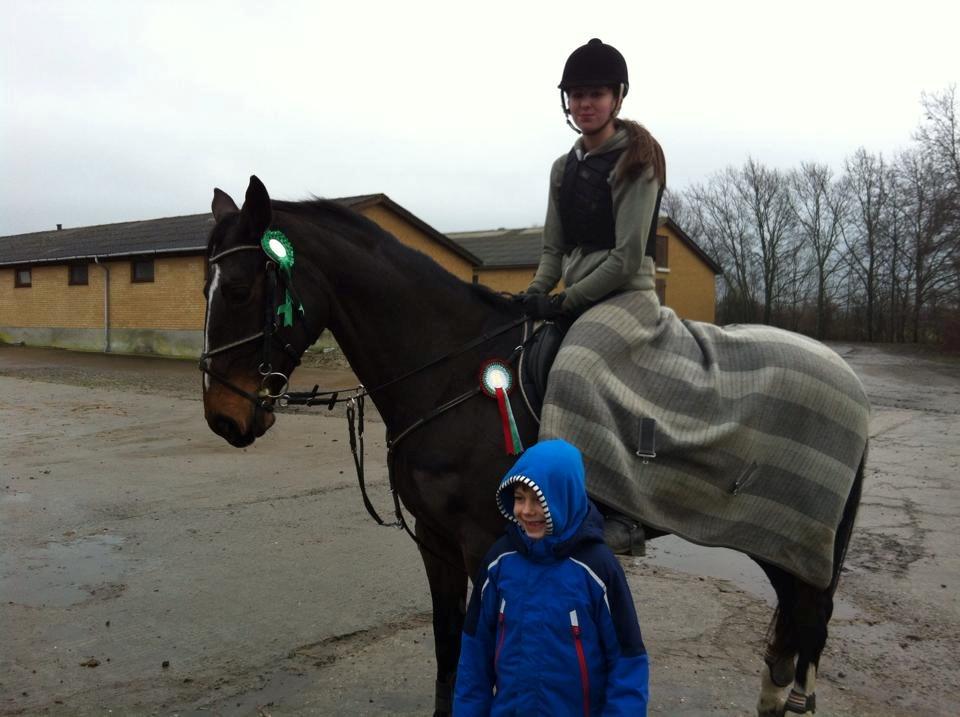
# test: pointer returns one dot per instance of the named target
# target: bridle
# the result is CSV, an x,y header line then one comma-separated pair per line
x,y
264,398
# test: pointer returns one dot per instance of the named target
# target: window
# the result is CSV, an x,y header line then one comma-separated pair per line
x,y
662,258
22,278
78,275
662,291
141,271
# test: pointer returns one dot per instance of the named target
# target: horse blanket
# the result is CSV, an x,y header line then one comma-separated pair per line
x,y
759,431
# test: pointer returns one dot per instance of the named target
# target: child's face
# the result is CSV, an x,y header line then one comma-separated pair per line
x,y
528,511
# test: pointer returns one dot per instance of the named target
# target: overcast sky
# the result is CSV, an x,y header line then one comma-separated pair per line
x,y
116,111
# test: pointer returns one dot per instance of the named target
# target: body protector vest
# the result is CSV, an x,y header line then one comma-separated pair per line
x,y
586,202
586,205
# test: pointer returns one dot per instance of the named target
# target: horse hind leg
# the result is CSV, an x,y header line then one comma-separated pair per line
x,y
777,675
814,608
793,655
800,625
779,660
809,626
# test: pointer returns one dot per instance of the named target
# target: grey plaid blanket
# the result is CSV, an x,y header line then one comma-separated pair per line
x,y
759,431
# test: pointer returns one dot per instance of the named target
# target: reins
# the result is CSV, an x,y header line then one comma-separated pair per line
x,y
355,414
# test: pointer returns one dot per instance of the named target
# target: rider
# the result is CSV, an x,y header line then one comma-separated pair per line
x,y
602,212
604,194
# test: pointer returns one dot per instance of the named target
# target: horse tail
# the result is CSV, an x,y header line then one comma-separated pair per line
x,y
845,529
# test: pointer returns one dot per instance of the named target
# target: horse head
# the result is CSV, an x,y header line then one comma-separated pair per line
x,y
248,353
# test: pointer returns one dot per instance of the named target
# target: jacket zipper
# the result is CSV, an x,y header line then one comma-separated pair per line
x,y
502,630
582,659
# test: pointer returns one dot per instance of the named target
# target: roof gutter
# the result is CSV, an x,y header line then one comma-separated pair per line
x,y
106,304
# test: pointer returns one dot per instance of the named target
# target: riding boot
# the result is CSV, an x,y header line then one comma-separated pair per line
x,y
624,536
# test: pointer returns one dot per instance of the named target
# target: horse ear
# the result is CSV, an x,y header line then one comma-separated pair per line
x,y
256,205
222,204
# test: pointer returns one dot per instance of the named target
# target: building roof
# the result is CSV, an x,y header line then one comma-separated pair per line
x,y
520,248
503,248
168,235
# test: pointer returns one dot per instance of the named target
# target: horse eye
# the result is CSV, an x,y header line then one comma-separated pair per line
x,y
236,293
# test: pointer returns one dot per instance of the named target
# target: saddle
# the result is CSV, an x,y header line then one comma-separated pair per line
x,y
535,362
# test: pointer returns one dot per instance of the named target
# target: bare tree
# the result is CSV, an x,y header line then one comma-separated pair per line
x,y
764,195
727,237
677,206
939,134
931,229
862,233
820,204
939,139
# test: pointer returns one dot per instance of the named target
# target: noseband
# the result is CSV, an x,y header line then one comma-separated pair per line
x,y
264,397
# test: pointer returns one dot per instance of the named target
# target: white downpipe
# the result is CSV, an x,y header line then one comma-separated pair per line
x,y
106,304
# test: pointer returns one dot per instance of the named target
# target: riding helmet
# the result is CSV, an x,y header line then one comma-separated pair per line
x,y
595,64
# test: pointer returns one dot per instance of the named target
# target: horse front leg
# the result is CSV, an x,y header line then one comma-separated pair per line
x,y
448,593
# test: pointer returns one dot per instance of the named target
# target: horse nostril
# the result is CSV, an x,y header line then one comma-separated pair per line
x,y
226,427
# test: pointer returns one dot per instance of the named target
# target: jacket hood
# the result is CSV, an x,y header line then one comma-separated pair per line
x,y
619,140
554,471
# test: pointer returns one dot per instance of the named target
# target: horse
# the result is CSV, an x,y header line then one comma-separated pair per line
x,y
416,336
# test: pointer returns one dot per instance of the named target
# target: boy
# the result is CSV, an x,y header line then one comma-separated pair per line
x,y
551,628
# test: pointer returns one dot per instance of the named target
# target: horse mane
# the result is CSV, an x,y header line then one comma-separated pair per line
x,y
373,237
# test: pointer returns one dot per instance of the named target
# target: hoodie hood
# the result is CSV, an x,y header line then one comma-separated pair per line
x,y
554,471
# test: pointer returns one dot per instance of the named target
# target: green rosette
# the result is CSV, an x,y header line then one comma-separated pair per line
x,y
278,248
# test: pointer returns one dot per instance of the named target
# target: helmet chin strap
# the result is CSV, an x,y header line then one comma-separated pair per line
x,y
613,114
566,112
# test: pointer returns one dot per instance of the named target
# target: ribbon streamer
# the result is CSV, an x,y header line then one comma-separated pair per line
x,y
496,380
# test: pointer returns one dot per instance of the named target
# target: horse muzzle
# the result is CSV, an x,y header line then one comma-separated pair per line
x,y
239,416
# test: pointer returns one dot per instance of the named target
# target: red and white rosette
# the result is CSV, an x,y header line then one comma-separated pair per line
x,y
496,380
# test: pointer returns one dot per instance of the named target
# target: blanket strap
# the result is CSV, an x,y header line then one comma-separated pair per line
x,y
646,440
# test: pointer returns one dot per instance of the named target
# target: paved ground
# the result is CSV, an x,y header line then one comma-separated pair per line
x,y
148,568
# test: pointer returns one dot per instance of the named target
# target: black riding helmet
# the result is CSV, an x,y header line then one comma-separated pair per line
x,y
594,65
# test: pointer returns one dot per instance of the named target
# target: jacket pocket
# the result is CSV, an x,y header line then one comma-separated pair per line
x,y
582,660
501,632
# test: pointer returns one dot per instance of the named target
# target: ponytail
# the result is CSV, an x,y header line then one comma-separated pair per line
x,y
642,151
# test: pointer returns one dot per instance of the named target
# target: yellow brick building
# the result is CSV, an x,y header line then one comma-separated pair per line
x,y
137,287
686,276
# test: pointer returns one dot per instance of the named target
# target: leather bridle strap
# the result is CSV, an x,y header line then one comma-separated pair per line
x,y
257,401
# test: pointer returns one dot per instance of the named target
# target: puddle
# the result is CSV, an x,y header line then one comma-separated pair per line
x,y
60,574
676,553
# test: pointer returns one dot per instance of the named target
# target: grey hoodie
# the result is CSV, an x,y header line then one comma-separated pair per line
x,y
591,277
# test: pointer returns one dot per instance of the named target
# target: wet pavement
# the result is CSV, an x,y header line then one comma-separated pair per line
x,y
149,568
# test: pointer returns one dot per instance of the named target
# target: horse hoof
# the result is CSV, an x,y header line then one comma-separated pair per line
x,y
800,704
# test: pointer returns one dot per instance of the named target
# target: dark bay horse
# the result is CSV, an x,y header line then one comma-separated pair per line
x,y
393,311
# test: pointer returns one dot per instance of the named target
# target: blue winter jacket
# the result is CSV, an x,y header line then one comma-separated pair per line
x,y
551,627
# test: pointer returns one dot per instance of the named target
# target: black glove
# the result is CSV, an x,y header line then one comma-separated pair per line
x,y
542,306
